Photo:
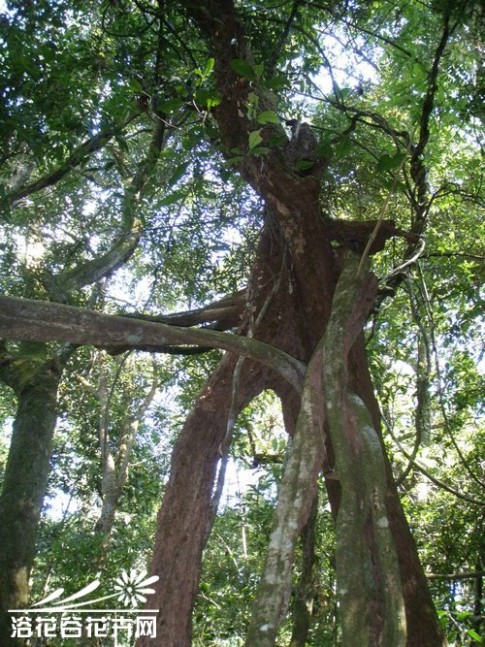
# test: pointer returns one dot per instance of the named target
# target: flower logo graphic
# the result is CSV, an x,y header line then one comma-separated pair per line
x,y
131,587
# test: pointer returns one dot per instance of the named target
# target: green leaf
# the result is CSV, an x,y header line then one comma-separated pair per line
x,y
122,143
343,146
390,162
243,68
268,117
172,198
259,69
260,150
325,149
255,139
209,66
304,165
207,98
236,159
203,74
463,615
212,102
473,634
171,105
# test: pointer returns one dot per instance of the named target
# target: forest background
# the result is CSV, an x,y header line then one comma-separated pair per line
x,y
300,185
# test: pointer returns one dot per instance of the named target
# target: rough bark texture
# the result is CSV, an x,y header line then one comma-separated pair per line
x,y
181,506
183,518
24,486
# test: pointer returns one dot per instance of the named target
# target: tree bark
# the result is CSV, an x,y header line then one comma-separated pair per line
x,y
185,512
368,578
295,496
181,505
115,461
305,592
182,528
24,486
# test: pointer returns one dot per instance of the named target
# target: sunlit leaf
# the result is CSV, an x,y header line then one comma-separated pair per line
x,y
255,139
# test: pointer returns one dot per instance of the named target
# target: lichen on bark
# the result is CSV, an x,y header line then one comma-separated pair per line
x,y
368,578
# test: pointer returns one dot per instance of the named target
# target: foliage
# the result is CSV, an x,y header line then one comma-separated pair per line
x,y
84,86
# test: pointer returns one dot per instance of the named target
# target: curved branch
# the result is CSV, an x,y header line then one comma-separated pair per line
x,y
29,320
429,99
284,35
126,243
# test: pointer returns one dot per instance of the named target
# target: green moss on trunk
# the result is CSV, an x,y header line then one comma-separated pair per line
x,y
24,487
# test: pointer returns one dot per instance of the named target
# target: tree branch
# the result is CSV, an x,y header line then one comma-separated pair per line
x,y
95,143
456,576
29,320
224,313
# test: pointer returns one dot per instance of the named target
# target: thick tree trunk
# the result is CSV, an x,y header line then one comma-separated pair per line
x,y
423,627
24,488
183,518
185,511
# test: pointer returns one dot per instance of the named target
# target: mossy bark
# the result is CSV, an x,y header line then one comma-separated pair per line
x,y
295,496
305,592
368,576
24,484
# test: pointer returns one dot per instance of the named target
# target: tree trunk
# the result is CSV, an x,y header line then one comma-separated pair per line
x,y
423,625
183,518
305,592
295,497
24,487
185,511
368,579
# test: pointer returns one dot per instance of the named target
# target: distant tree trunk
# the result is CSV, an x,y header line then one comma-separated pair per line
x,y
115,462
25,483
